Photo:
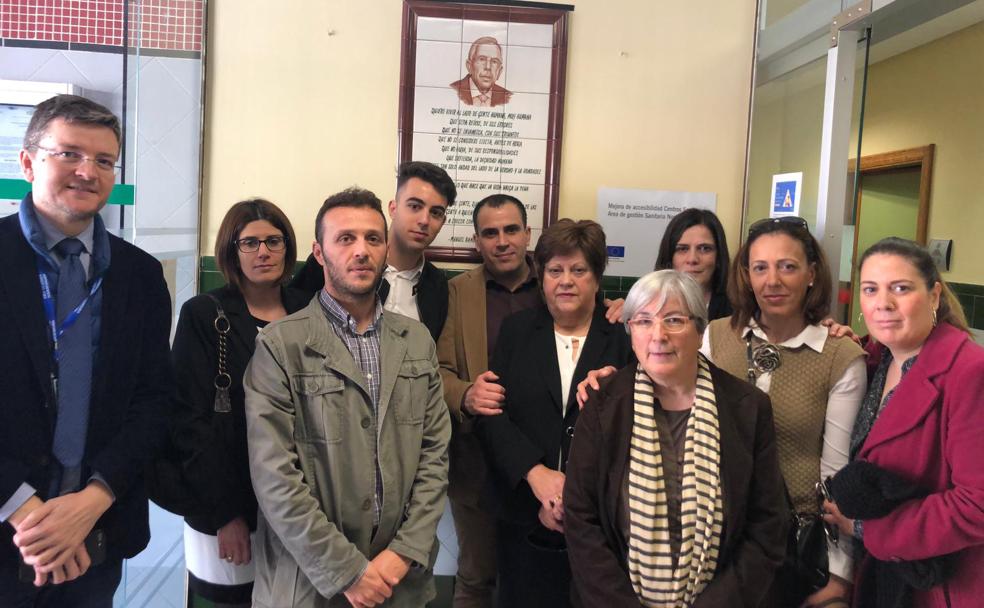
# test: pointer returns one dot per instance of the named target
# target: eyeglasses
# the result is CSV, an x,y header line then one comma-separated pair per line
x,y
252,244
672,324
770,222
73,159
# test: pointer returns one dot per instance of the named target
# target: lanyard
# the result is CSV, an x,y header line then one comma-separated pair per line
x,y
57,331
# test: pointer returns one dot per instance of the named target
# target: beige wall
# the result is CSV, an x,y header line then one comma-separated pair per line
x,y
294,113
935,94
657,98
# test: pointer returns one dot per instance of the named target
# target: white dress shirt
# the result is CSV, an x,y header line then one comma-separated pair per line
x,y
569,349
402,297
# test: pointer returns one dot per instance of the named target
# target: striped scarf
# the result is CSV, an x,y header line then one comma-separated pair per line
x,y
650,557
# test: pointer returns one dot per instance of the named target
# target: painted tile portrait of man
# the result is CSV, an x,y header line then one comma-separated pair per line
x,y
484,65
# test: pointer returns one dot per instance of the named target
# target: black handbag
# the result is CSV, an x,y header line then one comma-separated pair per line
x,y
167,483
806,567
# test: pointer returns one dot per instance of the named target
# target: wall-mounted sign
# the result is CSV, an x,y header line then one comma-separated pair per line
x,y
634,223
787,188
482,95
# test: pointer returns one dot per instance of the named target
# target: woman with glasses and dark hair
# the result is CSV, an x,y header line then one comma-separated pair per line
x,y
922,422
694,243
780,285
540,356
673,493
255,250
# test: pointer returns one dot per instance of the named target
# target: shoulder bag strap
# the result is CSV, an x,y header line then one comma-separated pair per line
x,y
222,380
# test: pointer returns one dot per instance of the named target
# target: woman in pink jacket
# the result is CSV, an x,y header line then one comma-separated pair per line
x,y
922,420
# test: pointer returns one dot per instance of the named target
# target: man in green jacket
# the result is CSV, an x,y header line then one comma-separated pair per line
x,y
348,434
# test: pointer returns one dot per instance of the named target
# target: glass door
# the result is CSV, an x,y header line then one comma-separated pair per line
x,y
786,132
889,89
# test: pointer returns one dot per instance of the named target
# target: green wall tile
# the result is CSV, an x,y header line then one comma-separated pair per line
x,y
122,194
967,289
208,263
610,282
967,302
209,280
977,321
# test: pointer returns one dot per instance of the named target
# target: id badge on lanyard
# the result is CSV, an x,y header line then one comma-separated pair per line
x,y
57,331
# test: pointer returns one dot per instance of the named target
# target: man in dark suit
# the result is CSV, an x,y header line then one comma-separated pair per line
x,y
484,66
84,324
411,285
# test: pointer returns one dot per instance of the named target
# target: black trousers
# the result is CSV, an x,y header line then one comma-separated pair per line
x,y
530,575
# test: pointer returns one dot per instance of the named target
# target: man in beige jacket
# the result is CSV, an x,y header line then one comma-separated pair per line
x,y
479,301
348,434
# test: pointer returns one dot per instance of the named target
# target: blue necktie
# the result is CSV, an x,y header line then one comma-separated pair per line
x,y
74,357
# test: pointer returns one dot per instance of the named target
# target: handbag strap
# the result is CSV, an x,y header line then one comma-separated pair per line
x,y
222,380
792,506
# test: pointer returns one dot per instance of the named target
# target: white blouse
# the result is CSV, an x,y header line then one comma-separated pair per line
x,y
569,350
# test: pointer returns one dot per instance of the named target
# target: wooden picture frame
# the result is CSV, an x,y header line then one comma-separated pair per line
x,y
506,138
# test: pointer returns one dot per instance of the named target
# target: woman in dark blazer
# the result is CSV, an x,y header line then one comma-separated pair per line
x,y
255,250
540,356
677,459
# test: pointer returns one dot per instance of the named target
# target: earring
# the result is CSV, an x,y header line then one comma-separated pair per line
x,y
934,316
860,317
810,285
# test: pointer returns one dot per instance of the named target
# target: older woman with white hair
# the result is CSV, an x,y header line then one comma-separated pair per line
x,y
673,494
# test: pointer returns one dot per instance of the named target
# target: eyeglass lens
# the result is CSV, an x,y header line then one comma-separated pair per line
x,y
250,244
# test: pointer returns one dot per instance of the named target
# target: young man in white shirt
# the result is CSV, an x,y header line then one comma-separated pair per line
x,y
411,285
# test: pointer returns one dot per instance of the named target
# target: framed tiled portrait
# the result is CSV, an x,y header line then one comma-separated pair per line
x,y
482,95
